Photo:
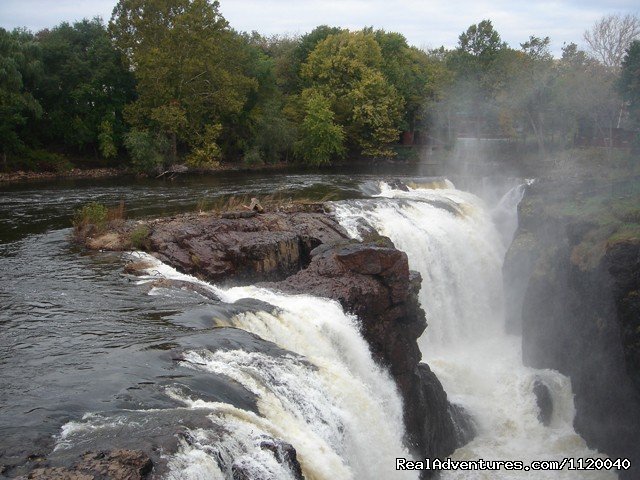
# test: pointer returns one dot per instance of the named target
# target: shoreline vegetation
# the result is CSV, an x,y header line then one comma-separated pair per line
x,y
167,85
22,176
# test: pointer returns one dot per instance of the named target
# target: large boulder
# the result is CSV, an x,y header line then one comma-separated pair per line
x,y
271,246
374,282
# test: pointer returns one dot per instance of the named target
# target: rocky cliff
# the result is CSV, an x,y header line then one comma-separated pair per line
x,y
572,281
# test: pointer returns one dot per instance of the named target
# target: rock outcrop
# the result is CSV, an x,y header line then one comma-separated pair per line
x,y
575,265
374,282
243,249
112,465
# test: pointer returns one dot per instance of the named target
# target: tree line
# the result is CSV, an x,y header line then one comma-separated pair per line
x,y
171,82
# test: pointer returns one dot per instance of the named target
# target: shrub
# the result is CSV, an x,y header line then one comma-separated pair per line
x,y
208,154
91,218
41,160
139,237
146,150
253,158
322,139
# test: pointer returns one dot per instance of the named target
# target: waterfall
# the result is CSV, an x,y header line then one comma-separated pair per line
x,y
505,213
326,397
450,237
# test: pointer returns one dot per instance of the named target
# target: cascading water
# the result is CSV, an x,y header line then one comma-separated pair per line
x,y
451,239
326,397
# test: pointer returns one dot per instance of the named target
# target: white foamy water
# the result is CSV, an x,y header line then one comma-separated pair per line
x,y
332,403
450,237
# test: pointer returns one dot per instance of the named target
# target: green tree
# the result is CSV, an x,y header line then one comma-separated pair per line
x,y
263,128
83,90
346,69
147,150
417,77
585,98
477,66
481,40
189,65
19,64
321,139
629,82
532,89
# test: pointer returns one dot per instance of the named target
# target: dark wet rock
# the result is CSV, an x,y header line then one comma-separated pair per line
x,y
184,285
576,287
623,264
285,454
375,283
544,402
110,465
448,206
137,267
231,338
398,185
441,434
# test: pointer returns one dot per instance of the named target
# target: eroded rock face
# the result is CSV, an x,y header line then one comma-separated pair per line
x,y
375,283
242,250
284,454
580,307
444,426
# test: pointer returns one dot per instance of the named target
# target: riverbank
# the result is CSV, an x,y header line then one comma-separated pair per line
x,y
22,176
26,176
412,156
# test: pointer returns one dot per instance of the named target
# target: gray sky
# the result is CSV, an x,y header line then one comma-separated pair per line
x,y
429,23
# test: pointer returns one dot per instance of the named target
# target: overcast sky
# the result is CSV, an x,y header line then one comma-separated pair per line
x,y
428,23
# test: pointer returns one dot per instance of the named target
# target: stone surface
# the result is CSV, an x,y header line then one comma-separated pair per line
x,y
580,311
544,402
375,283
112,465
442,432
270,246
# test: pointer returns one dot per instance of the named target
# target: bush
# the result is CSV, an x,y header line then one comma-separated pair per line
x,y
322,139
146,150
91,218
139,237
253,158
41,160
208,154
